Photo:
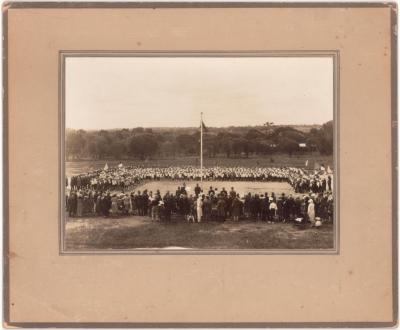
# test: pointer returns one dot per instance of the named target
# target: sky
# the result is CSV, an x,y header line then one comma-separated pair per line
x,y
127,92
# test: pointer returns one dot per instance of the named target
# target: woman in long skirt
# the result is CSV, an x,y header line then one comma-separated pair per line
x,y
311,212
199,206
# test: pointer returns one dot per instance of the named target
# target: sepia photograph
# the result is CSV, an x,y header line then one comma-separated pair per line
x,y
237,157
197,152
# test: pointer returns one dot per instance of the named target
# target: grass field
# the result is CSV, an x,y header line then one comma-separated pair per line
x,y
83,166
140,232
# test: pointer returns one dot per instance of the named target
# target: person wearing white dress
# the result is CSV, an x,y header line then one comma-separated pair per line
x,y
199,207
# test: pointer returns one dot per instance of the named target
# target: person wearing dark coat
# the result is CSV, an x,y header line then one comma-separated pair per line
x,y
228,207
72,204
145,202
247,205
184,205
265,208
221,205
168,206
79,182
66,202
79,206
289,208
197,190
73,182
255,207
207,208
107,205
303,210
279,204
297,207
323,185
139,200
183,189
134,203
237,207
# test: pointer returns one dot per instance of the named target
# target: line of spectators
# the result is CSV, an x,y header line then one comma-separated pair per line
x,y
202,206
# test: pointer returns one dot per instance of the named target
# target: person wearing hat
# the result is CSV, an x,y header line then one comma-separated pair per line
x,y
197,190
265,208
232,193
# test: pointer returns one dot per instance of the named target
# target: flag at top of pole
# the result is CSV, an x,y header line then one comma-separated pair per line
x,y
203,126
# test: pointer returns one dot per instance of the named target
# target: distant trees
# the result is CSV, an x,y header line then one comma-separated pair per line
x,y
142,145
75,143
288,145
323,138
188,144
229,142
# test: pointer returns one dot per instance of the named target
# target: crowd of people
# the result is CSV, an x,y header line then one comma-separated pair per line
x,y
122,178
111,192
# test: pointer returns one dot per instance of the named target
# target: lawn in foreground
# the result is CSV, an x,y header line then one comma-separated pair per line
x,y
140,232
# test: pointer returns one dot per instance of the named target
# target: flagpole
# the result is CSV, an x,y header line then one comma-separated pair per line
x,y
201,146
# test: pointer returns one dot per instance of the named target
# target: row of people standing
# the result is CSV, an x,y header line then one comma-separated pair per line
x,y
201,206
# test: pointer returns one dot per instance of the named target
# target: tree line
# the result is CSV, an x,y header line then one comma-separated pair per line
x,y
143,143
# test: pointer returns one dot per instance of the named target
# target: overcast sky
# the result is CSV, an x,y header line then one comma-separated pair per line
x,y
126,92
